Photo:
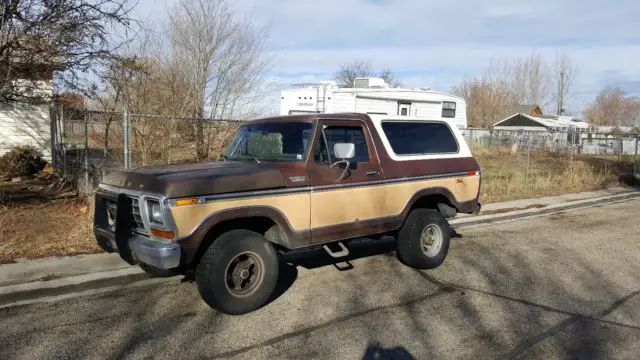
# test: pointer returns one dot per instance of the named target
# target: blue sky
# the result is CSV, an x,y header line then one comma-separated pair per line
x,y
435,44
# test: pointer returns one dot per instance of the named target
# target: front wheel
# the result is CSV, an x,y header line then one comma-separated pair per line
x,y
238,273
423,241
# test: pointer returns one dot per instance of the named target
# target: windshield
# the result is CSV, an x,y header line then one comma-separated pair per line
x,y
286,141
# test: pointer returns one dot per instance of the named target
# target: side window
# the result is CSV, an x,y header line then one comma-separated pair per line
x,y
448,109
417,138
341,134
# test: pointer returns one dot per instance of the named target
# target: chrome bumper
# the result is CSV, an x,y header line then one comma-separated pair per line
x,y
156,253
159,254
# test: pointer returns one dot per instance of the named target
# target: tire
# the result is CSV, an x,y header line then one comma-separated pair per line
x,y
410,245
157,272
238,273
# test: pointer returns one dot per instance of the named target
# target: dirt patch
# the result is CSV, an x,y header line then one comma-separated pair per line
x,y
54,228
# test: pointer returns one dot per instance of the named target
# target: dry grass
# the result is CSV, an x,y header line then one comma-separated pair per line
x,y
509,176
47,229
64,228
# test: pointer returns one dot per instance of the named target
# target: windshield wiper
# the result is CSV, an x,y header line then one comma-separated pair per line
x,y
255,158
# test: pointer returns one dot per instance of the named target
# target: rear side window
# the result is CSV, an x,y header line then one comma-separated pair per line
x,y
417,138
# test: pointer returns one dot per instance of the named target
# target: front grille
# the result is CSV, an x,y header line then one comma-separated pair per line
x,y
137,225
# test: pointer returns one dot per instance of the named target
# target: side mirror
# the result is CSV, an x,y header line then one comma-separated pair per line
x,y
344,151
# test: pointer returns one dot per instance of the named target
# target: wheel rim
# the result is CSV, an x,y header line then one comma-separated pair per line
x,y
244,274
431,240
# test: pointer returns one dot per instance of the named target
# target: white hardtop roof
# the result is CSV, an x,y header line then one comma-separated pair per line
x,y
377,118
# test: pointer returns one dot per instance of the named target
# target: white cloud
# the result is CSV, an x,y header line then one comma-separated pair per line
x,y
436,43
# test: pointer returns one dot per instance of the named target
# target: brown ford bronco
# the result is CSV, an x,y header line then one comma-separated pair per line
x,y
287,183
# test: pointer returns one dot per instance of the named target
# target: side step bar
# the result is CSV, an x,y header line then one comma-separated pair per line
x,y
337,254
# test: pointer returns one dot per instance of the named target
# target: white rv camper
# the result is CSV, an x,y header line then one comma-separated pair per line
x,y
373,96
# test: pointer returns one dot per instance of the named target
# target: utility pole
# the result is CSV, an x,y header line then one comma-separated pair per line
x,y
561,94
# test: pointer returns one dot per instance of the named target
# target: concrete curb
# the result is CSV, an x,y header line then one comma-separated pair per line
x,y
55,289
519,214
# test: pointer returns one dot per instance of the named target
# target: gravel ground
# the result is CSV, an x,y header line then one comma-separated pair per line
x,y
562,286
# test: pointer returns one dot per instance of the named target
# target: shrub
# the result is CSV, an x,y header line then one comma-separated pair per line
x,y
21,161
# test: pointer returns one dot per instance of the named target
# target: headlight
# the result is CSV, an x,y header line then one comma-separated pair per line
x,y
155,212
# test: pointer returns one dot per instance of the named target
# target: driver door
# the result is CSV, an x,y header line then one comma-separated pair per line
x,y
339,205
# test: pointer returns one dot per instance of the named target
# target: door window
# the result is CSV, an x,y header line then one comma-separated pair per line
x,y
341,134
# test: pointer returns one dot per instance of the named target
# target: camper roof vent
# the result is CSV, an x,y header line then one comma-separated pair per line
x,y
369,83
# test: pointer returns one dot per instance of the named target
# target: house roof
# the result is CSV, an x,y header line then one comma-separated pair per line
x,y
527,109
549,121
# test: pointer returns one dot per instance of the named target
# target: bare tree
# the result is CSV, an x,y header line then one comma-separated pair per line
x,y
613,107
146,80
486,99
348,73
563,74
226,61
42,42
513,81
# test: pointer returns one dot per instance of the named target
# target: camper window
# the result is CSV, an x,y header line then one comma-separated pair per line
x,y
448,109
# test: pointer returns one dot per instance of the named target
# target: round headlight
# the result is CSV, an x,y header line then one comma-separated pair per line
x,y
155,212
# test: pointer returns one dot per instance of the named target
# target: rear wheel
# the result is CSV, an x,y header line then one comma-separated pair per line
x,y
423,241
238,273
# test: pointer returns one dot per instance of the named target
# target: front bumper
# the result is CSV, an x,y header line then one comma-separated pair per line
x,y
156,253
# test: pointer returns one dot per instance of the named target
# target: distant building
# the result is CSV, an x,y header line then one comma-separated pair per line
x,y
550,123
527,109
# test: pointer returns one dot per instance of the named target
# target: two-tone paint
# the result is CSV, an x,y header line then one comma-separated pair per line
x,y
304,198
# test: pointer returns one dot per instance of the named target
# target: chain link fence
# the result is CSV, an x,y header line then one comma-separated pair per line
x,y
89,145
516,162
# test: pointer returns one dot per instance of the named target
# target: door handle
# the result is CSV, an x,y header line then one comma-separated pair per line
x,y
372,173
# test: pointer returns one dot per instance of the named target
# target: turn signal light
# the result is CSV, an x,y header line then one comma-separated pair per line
x,y
473,173
190,201
165,234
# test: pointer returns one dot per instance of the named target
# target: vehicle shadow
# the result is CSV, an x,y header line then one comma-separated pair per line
x,y
318,257
358,248
375,351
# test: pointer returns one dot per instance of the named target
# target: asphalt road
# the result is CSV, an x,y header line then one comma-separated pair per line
x,y
562,286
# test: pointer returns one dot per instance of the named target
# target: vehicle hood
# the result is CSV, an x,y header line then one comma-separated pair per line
x,y
198,179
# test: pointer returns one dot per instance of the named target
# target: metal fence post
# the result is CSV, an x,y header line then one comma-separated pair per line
x,y
635,161
86,151
571,147
125,127
526,171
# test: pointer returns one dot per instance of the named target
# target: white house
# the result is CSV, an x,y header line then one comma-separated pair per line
x,y
24,123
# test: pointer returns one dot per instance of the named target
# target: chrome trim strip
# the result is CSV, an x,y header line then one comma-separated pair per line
x,y
386,181
209,198
238,195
